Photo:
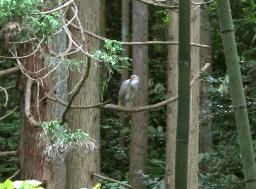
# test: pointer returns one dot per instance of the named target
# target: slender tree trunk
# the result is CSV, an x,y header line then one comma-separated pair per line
x,y
237,93
193,148
183,96
81,166
125,72
138,146
172,91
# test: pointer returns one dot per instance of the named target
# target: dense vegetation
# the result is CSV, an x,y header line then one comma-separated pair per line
x,y
223,162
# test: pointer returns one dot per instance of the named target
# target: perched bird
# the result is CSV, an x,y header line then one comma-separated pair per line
x,y
127,90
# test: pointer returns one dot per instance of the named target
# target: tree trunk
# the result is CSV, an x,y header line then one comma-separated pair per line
x,y
237,93
138,146
81,166
194,100
181,167
33,162
172,91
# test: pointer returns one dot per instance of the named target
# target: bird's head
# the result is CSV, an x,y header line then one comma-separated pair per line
x,y
134,78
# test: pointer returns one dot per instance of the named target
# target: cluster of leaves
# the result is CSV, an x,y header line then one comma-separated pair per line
x,y
27,184
111,56
27,14
58,133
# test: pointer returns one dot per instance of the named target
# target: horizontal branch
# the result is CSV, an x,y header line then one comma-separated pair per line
x,y
8,153
9,71
138,42
110,179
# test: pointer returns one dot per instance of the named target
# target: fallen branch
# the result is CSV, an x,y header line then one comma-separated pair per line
x,y
110,179
198,74
8,153
77,89
9,71
9,113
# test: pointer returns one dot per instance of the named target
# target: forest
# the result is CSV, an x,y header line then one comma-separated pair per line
x,y
119,94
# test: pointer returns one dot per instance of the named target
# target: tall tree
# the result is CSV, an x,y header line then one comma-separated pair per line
x,y
183,96
193,148
80,166
237,93
138,145
172,91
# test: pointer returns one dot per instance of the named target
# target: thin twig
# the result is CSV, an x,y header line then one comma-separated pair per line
x,y
79,86
9,113
59,8
14,175
138,42
110,179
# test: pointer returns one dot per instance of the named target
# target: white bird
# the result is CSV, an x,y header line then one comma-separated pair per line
x,y
127,90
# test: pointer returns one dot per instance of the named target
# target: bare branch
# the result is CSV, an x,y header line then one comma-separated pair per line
x,y
110,179
8,153
79,86
59,8
9,71
198,74
138,109
9,113
138,42
14,175
28,114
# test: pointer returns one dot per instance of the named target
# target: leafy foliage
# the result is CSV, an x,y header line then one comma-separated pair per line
x,y
26,14
27,184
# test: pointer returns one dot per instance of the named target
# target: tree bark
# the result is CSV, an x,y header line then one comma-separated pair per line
x,y
237,92
172,91
81,166
138,145
181,167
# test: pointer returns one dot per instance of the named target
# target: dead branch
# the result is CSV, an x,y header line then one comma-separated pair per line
x,y
9,113
9,71
110,179
78,88
59,8
28,114
198,74
14,175
8,153
138,42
